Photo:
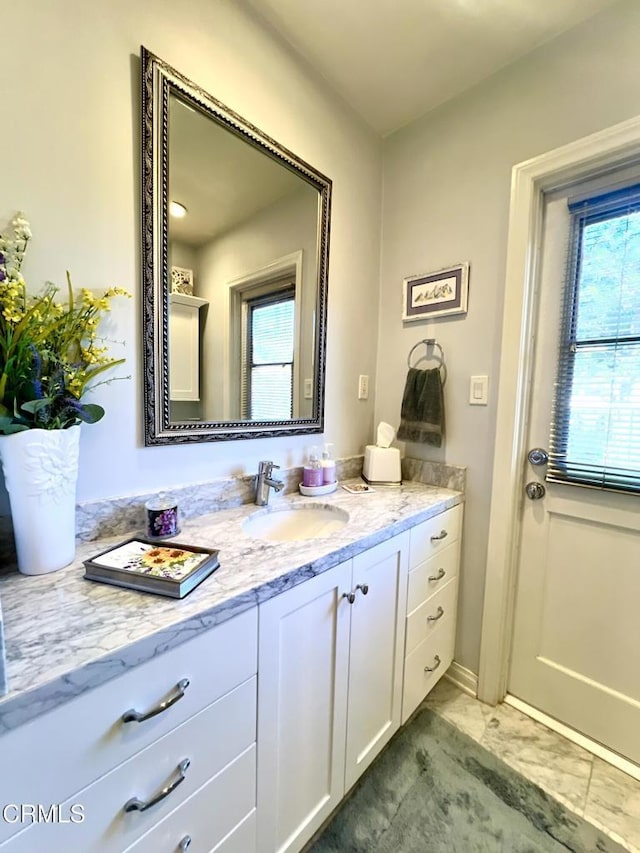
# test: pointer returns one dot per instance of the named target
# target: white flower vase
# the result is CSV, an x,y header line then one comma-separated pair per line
x,y
41,470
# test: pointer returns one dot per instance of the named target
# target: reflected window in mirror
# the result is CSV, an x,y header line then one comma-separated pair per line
x,y
268,362
243,226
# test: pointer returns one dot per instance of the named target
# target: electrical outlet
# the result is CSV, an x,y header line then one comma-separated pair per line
x,y
308,389
363,387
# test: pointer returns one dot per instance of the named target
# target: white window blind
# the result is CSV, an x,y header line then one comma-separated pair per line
x,y
269,352
595,431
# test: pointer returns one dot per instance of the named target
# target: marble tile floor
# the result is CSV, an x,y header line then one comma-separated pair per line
x,y
605,796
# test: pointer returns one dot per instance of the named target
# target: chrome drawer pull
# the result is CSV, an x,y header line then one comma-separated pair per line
x,y
136,805
185,844
364,587
436,664
442,535
439,615
133,716
350,596
438,577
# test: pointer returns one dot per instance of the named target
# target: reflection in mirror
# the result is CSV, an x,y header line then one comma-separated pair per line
x,y
235,266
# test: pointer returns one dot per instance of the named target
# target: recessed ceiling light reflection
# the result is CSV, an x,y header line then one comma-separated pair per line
x,y
179,211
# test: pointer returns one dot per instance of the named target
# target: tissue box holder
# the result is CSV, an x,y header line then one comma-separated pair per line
x,y
381,466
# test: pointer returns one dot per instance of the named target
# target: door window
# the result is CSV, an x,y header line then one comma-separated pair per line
x,y
595,431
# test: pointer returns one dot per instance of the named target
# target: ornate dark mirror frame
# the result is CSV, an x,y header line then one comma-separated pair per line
x,y
159,80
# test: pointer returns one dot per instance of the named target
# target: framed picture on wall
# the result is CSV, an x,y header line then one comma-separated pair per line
x,y
182,281
436,294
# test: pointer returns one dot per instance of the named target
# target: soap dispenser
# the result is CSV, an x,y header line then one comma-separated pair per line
x,y
312,471
328,465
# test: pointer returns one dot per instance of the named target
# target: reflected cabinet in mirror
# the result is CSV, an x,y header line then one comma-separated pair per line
x,y
235,252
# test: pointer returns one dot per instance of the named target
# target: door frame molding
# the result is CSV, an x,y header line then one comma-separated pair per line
x,y
588,157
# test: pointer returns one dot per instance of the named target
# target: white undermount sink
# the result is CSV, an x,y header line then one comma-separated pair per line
x,y
307,521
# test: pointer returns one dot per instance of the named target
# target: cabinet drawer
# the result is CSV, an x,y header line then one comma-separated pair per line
x,y
211,740
418,682
219,818
432,575
57,754
433,535
242,839
433,615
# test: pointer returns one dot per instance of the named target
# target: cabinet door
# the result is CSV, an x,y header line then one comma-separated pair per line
x,y
303,666
377,651
184,352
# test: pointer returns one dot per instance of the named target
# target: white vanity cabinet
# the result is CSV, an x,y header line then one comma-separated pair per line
x,y
195,757
184,346
246,737
330,689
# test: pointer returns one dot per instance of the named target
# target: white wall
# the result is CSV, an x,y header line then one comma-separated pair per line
x,y
70,160
185,256
288,225
446,199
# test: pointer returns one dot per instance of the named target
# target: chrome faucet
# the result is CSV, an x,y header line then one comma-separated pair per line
x,y
264,482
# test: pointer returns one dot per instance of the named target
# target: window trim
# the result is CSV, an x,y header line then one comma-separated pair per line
x,y
240,289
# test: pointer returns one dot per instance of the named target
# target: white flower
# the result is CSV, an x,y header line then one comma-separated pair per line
x,y
21,227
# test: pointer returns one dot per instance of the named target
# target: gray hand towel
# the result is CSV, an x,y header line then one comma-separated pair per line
x,y
422,412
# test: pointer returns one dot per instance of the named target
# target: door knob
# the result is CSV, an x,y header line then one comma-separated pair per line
x,y
535,491
538,456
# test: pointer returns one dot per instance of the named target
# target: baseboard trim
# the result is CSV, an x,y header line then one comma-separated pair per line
x,y
579,739
463,678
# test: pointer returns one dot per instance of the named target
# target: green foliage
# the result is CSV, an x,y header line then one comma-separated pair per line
x,y
49,351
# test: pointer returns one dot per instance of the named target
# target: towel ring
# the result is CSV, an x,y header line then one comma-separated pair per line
x,y
433,344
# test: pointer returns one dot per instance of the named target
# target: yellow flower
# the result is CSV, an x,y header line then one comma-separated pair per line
x,y
52,342
164,556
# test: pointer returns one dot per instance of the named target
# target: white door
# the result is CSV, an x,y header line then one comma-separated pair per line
x,y
376,652
576,645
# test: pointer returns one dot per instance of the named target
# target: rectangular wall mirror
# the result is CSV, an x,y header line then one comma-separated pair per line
x,y
235,233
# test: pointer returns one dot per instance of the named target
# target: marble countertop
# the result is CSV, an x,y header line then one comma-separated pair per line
x,y
65,635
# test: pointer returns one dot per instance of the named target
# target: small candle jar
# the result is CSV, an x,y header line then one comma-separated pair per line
x,y
162,518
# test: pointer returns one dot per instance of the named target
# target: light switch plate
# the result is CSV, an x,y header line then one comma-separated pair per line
x,y
478,390
363,387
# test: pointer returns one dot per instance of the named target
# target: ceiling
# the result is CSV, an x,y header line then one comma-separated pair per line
x,y
220,178
394,60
